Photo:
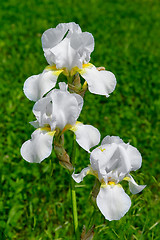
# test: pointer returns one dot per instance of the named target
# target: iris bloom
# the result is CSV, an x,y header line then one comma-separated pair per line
x,y
112,163
58,110
67,50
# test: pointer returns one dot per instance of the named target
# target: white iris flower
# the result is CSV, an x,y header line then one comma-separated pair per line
x,y
112,163
67,50
59,109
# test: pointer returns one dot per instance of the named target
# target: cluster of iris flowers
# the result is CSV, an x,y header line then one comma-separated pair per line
x,y
67,50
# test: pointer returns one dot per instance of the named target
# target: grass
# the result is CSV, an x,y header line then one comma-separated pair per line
x,y
35,198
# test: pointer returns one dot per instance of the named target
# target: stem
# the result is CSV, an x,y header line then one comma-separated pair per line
x,y
73,193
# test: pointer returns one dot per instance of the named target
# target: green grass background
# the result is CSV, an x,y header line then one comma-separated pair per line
x,y
35,198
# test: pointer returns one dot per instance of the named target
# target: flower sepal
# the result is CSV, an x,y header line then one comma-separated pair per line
x,y
61,154
87,235
76,86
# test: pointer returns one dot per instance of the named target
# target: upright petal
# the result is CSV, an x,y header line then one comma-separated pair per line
x,y
38,147
99,82
37,85
113,202
79,176
65,108
65,56
52,36
133,186
135,157
87,136
111,139
103,157
66,46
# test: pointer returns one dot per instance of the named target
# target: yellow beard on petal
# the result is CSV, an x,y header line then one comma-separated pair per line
x,y
82,70
54,70
48,129
127,178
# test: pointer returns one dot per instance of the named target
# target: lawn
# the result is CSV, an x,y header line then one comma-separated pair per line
x,y
35,198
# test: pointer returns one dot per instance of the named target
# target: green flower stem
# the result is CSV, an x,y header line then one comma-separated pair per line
x,y
73,193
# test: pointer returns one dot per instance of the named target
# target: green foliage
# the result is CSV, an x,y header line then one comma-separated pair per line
x,y
35,198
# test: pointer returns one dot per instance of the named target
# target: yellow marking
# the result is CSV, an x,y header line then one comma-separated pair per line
x,y
74,128
66,72
49,67
111,183
54,70
57,72
84,67
67,127
51,133
48,129
84,85
82,70
74,71
127,178
87,65
104,185
102,149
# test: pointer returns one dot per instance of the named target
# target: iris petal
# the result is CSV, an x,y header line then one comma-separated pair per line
x,y
38,147
113,202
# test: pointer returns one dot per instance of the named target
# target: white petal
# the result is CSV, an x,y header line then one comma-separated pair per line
x,y
55,49
65,56
111,139
113,202
53,36
58,109
65,108
101,157
73,27
42,109
135,157
63,86
79,101
38,147
35,124
79,177
87,136
37,85
99,82
83,44
133,186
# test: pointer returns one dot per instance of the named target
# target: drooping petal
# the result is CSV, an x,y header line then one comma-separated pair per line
x,y
38,147
79,176
133,186
99,82
87,136
37,85
111,139
113,202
